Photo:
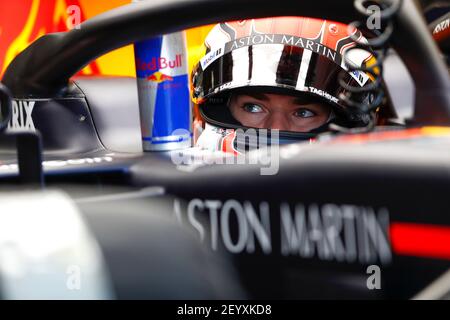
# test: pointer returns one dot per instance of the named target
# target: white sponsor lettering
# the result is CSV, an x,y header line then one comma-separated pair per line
x,y
328,232
360,77
333,232
212,56
253,40
21,119
256,39
253,225
442,26
324,94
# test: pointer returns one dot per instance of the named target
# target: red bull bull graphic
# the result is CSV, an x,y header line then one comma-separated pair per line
x,y
159,77
163,85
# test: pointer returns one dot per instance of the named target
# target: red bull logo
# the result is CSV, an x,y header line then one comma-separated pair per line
x,y
160,63
159,77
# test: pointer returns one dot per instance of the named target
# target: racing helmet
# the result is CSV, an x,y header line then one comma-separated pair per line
x,y
283,55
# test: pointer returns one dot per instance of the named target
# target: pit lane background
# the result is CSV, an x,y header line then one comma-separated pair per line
x,y
24,21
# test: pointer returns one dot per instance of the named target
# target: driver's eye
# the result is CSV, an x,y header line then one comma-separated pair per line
x,y
304,113
252,108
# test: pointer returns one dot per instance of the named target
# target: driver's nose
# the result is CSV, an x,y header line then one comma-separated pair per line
x,y
278,121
